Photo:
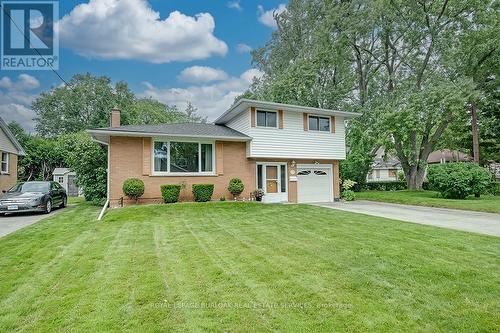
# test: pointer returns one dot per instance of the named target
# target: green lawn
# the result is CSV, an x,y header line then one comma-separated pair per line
x,y
239,267
486,203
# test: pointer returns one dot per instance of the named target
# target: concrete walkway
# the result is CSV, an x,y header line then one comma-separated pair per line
x,y
478,222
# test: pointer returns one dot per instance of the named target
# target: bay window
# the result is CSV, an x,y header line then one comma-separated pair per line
x,y
176,157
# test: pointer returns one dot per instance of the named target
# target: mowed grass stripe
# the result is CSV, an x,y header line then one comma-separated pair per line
x,y
142,268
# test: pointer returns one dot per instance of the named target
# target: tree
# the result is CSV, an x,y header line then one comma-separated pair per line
x,y
191,114
150,111
84,103
89,161
389,60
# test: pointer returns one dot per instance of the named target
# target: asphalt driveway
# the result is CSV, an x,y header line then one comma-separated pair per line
x,y
478,222
13,222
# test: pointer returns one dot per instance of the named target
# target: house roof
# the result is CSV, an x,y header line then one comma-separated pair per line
x,y
447,155
245,104
61,171
197,130
12,138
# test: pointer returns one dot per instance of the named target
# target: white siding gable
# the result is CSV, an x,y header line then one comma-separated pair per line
x,y
5,143
291,141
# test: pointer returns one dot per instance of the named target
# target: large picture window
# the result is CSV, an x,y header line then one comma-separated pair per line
x,y
267,119
319,124
183,157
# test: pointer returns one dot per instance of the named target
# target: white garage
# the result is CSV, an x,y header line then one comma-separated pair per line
x,y
314,183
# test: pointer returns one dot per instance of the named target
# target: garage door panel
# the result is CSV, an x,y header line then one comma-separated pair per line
x,y
314,184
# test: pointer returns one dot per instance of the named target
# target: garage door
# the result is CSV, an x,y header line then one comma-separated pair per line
x,y
314,184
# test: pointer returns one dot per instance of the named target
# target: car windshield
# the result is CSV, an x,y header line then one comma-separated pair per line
x,y
31,187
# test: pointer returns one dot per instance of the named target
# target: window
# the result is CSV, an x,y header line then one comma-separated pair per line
x,y
266,119
392,173
377,173
5,162
259,176
60,179
317,123
283,178
183,157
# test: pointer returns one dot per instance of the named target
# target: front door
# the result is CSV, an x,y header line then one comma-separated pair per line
x,y
272,179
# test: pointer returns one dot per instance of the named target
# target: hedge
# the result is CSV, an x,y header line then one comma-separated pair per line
x,y
133,188
170,193
203,192
459,180
390,186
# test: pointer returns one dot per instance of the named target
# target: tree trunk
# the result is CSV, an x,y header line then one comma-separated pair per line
x,y
415,178
475,133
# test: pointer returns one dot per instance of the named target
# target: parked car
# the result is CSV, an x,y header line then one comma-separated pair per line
x,y
38,196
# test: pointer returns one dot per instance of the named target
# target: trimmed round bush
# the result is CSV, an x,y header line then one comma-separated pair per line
x,y
170,193
458,180
348,195
203,192
133,188
236,187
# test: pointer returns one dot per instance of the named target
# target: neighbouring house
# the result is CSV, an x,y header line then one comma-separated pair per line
x,y
447,156
67,179
10,150
385,167
290,152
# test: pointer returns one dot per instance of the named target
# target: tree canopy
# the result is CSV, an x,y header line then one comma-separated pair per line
x,y
412,68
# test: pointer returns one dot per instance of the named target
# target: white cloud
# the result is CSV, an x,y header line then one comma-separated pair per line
x,y
15,100
202,74
211,99
243,48
266,17
234,5
131,29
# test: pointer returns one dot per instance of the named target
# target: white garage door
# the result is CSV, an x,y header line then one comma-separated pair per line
x,y
314,184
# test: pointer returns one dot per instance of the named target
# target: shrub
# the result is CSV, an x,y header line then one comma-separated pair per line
x,y
385,186
348,184
348,195
133,188
236,187
458,180
170,192
203,192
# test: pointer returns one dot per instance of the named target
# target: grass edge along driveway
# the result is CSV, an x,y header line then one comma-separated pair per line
x,y
486,203
245,266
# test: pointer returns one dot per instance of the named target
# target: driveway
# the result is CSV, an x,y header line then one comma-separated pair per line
x,y
478,222
13,222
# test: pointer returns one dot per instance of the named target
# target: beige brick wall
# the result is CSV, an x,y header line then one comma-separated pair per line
x,y
130,157
7,181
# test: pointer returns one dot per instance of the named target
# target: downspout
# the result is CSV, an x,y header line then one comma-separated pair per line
x,y
106,204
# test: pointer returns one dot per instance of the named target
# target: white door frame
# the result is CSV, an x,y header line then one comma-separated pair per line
x,y
317,166
272,197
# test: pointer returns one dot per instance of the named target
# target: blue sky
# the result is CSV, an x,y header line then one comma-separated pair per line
x,y
171,50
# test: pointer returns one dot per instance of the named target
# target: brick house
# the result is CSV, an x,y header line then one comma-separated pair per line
x,y
290,152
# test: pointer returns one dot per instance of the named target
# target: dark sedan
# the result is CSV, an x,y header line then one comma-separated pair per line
x,y
33,197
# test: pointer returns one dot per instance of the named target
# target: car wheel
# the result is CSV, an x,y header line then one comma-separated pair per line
x,y
48,206
64,202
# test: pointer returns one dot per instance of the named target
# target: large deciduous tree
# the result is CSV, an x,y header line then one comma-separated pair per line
x,y
392,60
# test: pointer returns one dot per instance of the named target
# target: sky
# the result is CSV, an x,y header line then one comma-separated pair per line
x,y
171,50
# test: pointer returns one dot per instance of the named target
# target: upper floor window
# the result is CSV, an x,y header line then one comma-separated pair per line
x,y
5,162
317,123
267,119
183,157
